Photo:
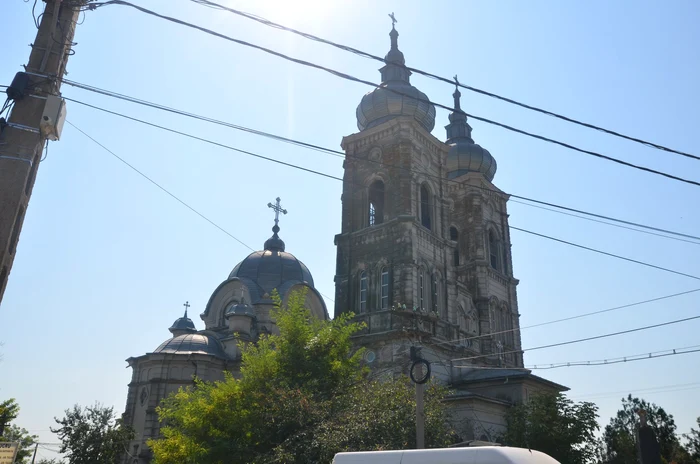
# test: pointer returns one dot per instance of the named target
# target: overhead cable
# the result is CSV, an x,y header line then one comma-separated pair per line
x,y
342,154
347,48
319,173
375,85
580,340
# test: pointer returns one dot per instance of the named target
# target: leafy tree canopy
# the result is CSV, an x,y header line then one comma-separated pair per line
x,y
25,440
619,441
555,425
302,397
9,409
92,435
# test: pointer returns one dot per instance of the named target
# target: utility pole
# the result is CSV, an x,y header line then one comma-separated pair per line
x,y
22,137
419,377
36,448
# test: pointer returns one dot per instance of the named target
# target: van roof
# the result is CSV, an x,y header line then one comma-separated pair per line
x,y
477,455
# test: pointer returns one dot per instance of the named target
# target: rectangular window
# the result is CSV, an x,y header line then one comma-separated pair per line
x,y
421,297
385,288
363,292
433,293
372,214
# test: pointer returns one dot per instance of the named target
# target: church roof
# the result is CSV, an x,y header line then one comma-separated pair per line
x,y
464,155
396,96
273,267
191,344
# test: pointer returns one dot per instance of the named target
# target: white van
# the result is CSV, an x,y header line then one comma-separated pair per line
x,y
477,455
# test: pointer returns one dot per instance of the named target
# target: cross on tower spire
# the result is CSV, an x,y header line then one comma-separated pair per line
x,y
393,20
187,306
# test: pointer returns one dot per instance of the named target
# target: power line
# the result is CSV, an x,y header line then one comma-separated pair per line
x,y
606,223
570,318
622,359
342,154
182,202
440,78
169,192
372,84
311,171
605,253
638,390
586,339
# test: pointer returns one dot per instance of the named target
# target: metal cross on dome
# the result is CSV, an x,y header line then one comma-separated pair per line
x,y
393,19
187,306
277,209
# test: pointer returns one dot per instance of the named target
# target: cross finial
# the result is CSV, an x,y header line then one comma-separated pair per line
x,y
393,20
187,306
456,81
277,209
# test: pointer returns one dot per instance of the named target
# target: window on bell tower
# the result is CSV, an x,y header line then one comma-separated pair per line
x,y
376,203
385,288
454,236
421,290
494,250
425,210
363,291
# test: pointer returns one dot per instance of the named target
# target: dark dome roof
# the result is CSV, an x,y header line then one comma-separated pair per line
x,y
396,96
272,268
464,157
183,323
191,344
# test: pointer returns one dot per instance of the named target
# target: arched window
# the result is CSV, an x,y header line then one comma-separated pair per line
x,y
385,288
434,293
421,290
376,203
454,236
363,291
494,250
425,210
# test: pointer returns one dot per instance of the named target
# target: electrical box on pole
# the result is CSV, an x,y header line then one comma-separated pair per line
x,y
36,114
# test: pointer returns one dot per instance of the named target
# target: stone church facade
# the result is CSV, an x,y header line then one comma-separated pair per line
x,y
423,259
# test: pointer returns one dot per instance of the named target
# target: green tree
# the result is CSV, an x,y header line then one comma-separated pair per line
x,y
92,435
9,409
693,442
619,442
555,425
302,397
25,440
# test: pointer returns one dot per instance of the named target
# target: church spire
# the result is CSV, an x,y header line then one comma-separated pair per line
x,y
458,128
395,68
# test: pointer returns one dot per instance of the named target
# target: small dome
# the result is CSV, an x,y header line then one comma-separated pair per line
x,y
183,323
191,344
464,157
396,96
240,309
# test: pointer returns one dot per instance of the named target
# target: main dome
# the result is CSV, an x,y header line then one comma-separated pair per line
x,y
272,267
396,96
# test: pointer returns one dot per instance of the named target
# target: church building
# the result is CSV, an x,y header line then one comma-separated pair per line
x,y
423,258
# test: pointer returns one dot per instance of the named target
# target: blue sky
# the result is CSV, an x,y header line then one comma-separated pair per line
x,y
106,260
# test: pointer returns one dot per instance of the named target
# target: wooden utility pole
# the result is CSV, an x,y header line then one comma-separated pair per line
x,y
21,140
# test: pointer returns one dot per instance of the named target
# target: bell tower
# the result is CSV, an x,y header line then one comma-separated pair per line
x,y
424,248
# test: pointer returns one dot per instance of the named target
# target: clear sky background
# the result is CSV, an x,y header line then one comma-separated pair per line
x,y
106,260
